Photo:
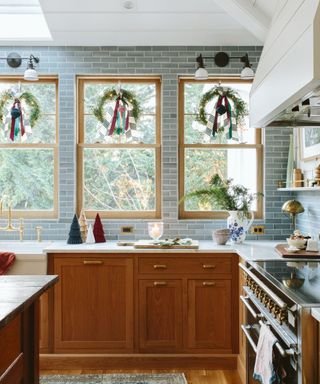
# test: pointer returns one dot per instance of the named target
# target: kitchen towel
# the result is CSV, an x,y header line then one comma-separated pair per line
x,y
6,260
264,369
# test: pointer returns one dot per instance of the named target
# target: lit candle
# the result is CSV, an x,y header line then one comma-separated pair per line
x,y
155,230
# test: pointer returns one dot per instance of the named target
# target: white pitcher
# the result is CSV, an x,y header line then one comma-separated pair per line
x,y
239,224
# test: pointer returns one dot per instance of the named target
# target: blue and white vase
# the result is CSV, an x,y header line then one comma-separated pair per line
x,y
239,224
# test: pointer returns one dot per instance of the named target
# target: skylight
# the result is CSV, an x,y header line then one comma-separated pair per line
x,y
23,20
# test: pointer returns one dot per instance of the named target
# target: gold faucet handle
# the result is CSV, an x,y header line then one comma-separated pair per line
x,y
39,229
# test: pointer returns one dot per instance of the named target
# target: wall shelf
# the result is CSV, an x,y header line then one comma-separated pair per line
x,y
299,189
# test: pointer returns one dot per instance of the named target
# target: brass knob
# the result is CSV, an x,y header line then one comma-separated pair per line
x,y
270,305
276,311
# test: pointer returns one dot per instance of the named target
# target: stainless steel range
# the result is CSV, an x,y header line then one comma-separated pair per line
x,y
281,293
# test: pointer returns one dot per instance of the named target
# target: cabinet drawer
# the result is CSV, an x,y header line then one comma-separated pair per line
x,y
163,265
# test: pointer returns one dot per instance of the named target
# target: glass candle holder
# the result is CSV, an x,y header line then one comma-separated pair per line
x,y
155,230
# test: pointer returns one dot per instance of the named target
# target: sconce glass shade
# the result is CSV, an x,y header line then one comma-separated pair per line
x,y
247,73
31,74
201,74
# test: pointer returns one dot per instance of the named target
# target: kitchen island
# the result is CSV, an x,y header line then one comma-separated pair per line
x,y
19,327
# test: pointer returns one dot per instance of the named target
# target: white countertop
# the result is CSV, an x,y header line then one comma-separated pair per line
x,y
250,250
315,312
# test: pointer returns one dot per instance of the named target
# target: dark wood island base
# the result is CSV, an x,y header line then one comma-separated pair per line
x,y
19,327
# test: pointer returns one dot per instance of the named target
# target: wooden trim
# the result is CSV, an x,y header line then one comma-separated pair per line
x,y
43,214
223,146
183,214
215,80
81,145
137,361
122,145
122,214
112,78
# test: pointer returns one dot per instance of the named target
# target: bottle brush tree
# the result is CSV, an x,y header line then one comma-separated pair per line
x,y
98,230
74,234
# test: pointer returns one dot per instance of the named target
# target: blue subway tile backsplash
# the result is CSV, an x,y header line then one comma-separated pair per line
x,y
169,62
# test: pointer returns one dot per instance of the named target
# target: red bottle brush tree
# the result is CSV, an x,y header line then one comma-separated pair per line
x,y
74,234
98,230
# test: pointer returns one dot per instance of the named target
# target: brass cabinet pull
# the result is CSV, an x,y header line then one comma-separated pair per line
x,y
208,266
92,262
160,266
159,283
208,283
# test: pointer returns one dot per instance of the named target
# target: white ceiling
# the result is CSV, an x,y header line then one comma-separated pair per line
x,y
150,22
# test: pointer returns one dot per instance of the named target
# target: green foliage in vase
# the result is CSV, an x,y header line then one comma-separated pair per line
x,y
225,195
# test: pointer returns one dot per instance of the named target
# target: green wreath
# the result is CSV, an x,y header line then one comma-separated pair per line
x,y
239,105
111,95
28,98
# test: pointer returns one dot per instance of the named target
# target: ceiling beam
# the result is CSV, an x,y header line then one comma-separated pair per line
x,y
249,16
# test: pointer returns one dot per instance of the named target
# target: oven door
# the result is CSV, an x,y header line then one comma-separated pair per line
x,y
284,360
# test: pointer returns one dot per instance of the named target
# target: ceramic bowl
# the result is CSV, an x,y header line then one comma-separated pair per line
x,y
299,243
221,236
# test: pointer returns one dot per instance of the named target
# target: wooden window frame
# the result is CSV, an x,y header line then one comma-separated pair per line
x,y
81,80
39,214
258,146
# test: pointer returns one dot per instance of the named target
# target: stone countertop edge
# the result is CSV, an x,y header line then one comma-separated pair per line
x,y
315,312
10,307
250,250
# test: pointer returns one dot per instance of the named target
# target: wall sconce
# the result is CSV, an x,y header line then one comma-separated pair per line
x,y
222,59
14,60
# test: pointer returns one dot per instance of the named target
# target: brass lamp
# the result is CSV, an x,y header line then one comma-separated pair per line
x,y
292,208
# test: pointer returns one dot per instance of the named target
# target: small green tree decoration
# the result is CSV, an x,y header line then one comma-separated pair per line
x,y
74,234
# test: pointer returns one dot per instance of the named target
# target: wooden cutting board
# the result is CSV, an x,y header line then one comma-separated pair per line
x,y
280,249
146,244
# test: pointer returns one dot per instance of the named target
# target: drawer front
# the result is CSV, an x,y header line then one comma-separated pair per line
x,y
165,265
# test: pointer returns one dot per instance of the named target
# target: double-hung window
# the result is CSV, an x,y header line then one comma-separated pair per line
x,y
119,173
201,155
29,146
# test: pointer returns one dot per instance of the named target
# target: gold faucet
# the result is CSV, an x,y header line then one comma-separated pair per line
x,y
38,230
9,227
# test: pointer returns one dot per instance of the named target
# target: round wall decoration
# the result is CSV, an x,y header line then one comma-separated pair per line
x,y
15,118
120,119
229,106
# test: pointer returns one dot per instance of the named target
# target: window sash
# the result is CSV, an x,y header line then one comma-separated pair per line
x,y
43,214
81,146
185,214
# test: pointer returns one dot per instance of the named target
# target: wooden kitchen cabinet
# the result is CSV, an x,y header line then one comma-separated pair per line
x,y
93,304
147,310
160,315
209,325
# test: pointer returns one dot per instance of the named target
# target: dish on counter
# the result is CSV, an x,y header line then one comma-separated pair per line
x,y
297,240
292,249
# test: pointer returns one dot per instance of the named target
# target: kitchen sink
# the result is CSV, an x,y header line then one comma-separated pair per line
x,y
30,258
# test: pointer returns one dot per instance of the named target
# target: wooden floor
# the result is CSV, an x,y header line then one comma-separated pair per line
x,y
193,377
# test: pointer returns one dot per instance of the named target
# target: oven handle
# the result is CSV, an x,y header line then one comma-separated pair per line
x,y
267,290
255,315
283,352
245,329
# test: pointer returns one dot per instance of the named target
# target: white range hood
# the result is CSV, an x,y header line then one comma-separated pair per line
x,y
289,67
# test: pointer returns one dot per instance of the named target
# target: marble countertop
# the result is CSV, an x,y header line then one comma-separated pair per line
x,y
251,250
315,312
17,292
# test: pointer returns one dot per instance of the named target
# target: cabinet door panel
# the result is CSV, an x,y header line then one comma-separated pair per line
x,y
160,315
209,315
94,303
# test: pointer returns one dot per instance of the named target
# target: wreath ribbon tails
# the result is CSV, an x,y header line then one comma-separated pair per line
x,y
16,120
